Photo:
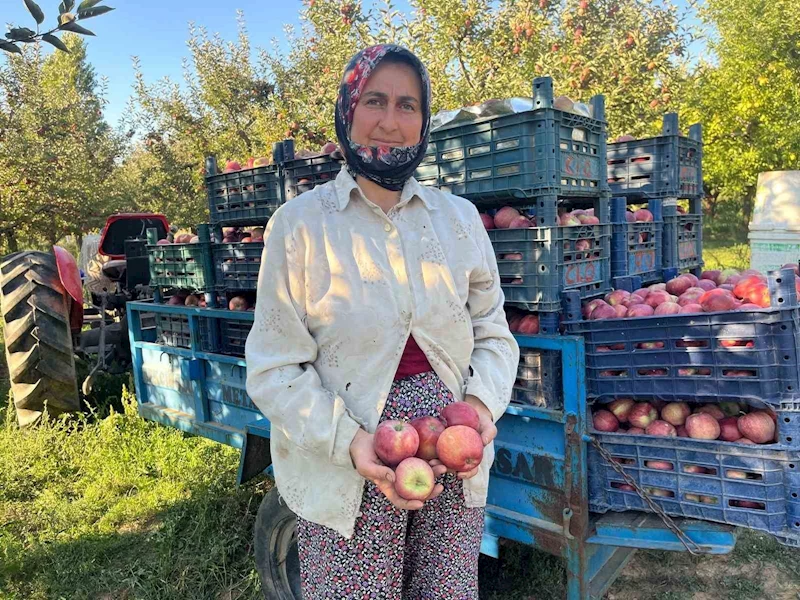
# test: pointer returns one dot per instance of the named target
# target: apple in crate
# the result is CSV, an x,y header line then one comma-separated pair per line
x,y
661,428
428,429
729,429
414,479
711,409
621,408
394,441
642,414
675,413
604,420
757,426
702,426
460,448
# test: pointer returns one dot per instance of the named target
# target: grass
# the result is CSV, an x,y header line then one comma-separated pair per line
x,y
104,505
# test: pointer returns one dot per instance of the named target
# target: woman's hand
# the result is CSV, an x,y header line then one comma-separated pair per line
x,y
486,429
370,467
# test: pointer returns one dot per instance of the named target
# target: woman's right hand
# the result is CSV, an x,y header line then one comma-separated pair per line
x,y
370,467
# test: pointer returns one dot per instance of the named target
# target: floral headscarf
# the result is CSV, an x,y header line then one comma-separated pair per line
x,y
389,167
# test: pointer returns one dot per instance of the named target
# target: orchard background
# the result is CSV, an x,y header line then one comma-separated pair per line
x,y
109,506
63,168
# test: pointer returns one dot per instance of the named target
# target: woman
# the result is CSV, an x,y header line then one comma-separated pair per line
x,y
378,299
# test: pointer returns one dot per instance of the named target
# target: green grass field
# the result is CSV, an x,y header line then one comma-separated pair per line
x,y
105,505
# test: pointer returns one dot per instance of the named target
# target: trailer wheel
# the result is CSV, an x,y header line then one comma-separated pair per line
x,y
275,542
35,309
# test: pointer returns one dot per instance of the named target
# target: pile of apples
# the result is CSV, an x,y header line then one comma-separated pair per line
x,y
232,166
181,298
407,447
520,321
713,291
726,421
233,235
509,217
181,238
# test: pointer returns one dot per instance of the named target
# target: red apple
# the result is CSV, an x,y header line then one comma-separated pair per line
x,y
520,222
414,479
702,426
661,428
711,409
668,308
742,288
232,166
616,297
643,216
759,295
394,441
635,431
238,303
621,311
657,297
487,220
529,325
602,312
461,413
621,408
640,310
675,413
690,309
728,429
679,285
757,426
680,431
713,275
642,414
706,285
460,448
660,465
717,300
504,217
428,430
568,220
604,420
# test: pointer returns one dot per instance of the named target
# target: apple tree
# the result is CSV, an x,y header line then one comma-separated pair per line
x,y
57,152
746,98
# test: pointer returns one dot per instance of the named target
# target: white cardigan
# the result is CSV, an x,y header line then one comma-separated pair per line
x,y
342,286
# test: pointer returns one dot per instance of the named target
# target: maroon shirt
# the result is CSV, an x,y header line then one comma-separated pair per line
x,y
413,361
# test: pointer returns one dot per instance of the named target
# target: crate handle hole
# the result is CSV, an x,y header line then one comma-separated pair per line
x,y
794,494
787,420
789,439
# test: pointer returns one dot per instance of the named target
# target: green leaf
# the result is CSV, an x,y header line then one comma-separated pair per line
x,y
51,39
9,47
88,4
75,28
65,6
20,33
94,12
35,11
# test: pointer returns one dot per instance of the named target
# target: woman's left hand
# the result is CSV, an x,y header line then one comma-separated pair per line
x,y
486,428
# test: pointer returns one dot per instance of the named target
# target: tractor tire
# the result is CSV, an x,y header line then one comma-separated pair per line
x,y
35,310
275,548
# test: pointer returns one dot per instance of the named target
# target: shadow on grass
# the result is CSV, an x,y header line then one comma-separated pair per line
x,y
197,548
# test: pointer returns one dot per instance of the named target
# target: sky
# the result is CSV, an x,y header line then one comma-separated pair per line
x,y
156,32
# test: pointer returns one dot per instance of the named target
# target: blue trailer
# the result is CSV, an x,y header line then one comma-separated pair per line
x,y
538,492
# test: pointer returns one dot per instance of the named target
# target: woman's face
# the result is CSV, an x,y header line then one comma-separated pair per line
x,y
389,111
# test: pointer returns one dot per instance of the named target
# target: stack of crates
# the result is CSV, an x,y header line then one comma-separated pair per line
x,y
542,162
303,174
667,168
730,359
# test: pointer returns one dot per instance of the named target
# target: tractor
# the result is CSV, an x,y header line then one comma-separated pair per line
x,y
53,313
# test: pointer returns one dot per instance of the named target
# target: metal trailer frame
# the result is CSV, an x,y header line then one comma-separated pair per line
x,y
538,492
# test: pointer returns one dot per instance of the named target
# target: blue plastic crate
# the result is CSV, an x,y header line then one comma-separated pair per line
x,y
683,237
246,197
185,266
233,335
636,248
237,265
728,355
538,379
517,156
771,481
304,174
173,330
553,260
666,166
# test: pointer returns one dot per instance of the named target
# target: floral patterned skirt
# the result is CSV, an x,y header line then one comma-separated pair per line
x,y
429,554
